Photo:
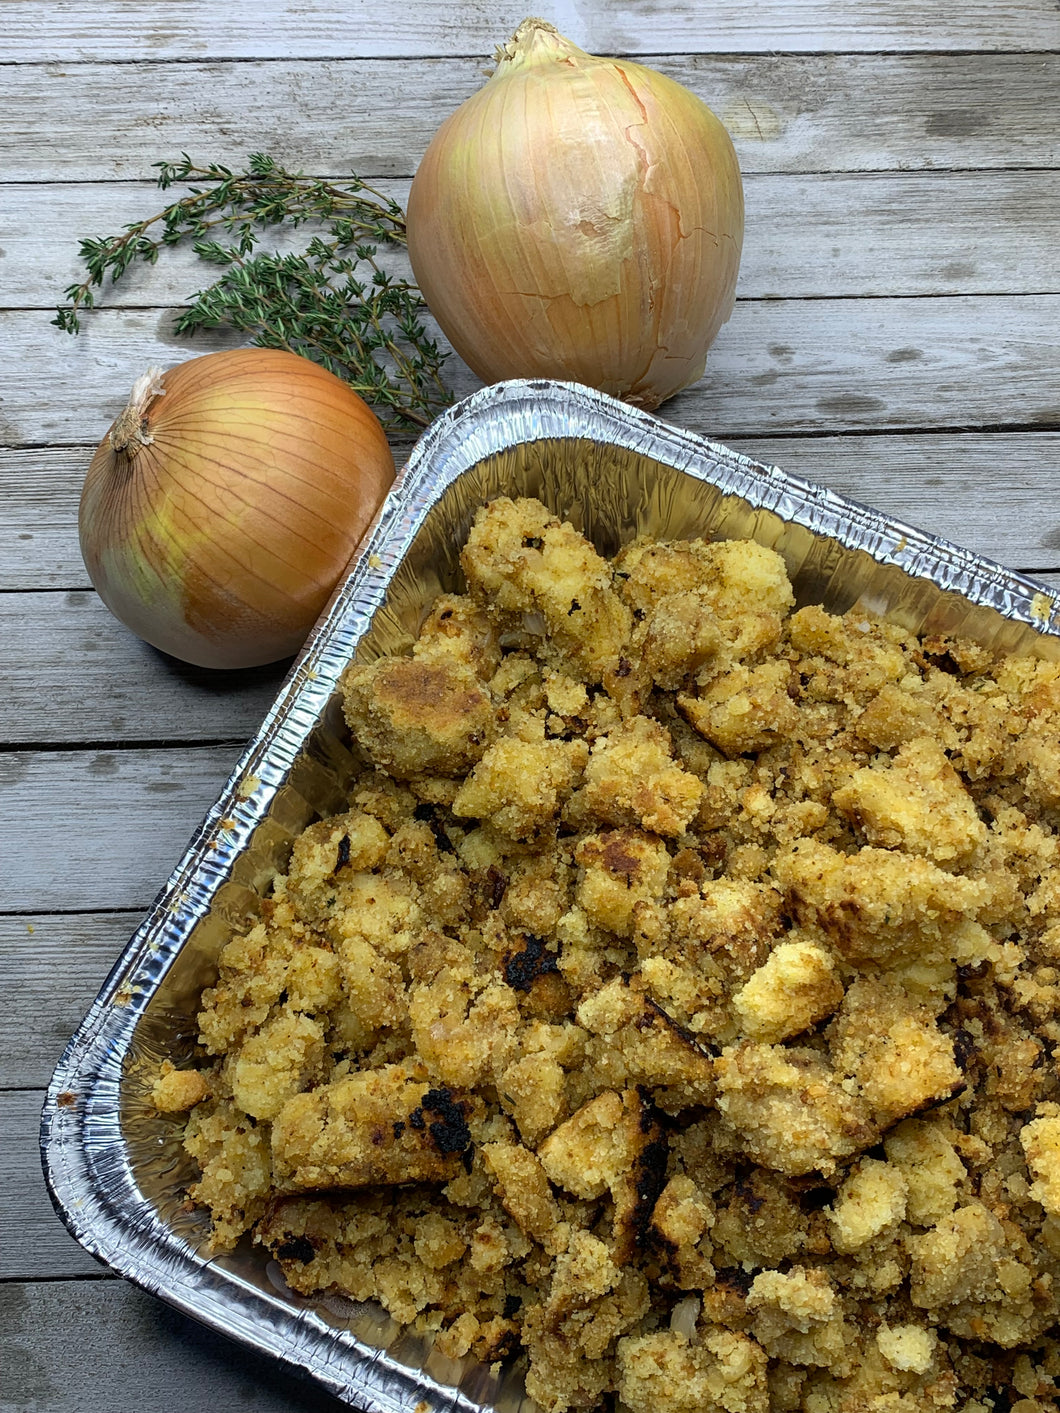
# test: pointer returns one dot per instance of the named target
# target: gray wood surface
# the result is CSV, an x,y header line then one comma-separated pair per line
x,y
126,29
894,338
778,365
53,966
101,828
102,1346
820,112
79,675
800,241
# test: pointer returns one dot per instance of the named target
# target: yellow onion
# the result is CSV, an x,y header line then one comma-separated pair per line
x,y
579,218
224,503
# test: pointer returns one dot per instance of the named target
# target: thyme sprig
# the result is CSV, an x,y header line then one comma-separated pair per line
x,y
335,303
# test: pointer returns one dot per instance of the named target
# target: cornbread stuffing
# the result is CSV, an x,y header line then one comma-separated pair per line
x,y
675,1008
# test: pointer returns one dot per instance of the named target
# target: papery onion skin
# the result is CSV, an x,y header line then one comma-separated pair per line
x,y
579,218
219,533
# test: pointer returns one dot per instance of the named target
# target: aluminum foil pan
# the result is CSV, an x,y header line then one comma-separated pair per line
x,y
115,1169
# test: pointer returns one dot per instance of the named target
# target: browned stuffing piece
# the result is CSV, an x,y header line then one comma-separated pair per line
x,y
676,1006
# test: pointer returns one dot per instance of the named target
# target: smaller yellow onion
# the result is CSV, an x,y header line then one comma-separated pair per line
x,y
225,502
581,218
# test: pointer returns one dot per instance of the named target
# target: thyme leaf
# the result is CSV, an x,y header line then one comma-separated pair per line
x,y
335,302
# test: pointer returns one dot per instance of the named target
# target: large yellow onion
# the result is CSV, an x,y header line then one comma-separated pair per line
x,y
224,503
579,218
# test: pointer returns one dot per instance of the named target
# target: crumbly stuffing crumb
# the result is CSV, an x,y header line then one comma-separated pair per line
x,y
1041,1143
795,987
907,1347
175,1091
675,1007
871,1200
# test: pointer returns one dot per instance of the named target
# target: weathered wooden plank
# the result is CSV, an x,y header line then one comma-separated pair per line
x,y
38,515
33,1241
134,29
806,237
74,673
85,830
787,113
995,493
778,366
53,966
106,1346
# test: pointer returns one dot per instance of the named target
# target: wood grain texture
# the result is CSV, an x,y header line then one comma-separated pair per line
x,y
806,237
136,29
104,1346
78,675
778,366
53,966
786,113
33,1241
85,830
38,517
